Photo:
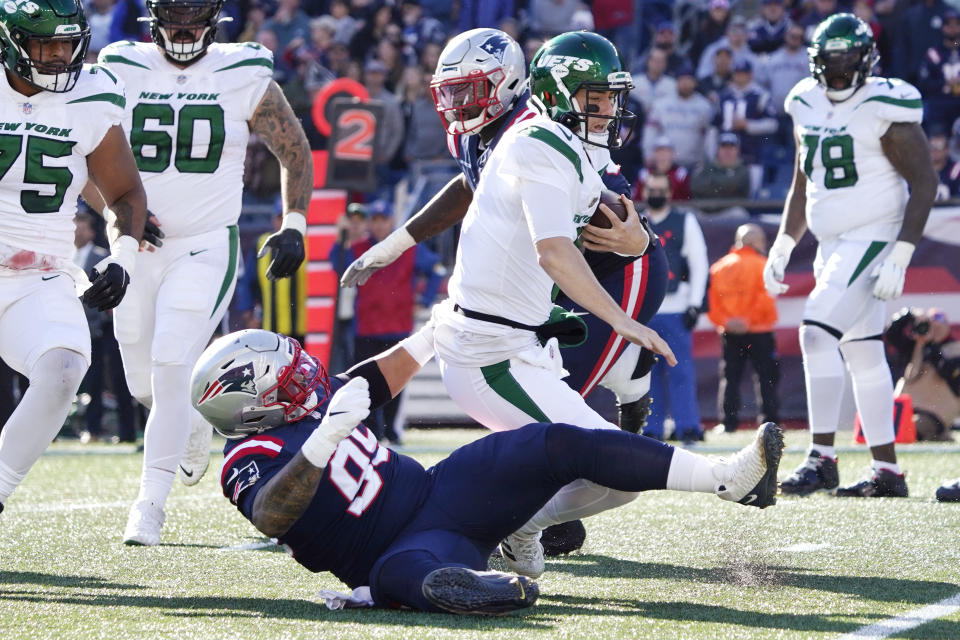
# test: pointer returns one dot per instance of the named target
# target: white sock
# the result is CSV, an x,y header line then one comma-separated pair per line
x,y
33,425
577,500
168,428
691,472
889,466
823,450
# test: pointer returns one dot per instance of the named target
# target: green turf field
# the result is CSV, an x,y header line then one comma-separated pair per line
x,y
669,565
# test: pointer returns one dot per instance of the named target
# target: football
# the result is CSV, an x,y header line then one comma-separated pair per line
x,y
612,200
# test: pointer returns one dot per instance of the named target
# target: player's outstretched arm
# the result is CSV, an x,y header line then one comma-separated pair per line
x,y
564,263
906,147
443,211
277,125
389,372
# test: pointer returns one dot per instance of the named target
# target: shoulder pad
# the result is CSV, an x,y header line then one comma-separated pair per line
x,y
126,52
892,87
799,93
97,84
248,56
554,139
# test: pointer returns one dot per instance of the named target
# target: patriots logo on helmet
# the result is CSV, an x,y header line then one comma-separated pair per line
x,y
236,380
495,46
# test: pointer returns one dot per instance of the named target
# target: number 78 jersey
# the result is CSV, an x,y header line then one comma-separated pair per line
x,y
188,128
852,189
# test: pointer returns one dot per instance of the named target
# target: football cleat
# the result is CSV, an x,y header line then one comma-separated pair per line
x,y
196,457
949,492
750,478
485,593
561,539
144,524
634,415
523,555
878,483
817,473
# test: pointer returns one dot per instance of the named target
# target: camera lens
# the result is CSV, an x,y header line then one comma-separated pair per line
x,y
922,328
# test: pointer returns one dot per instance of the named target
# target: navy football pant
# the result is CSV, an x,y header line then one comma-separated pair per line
x,y
639,288
488,489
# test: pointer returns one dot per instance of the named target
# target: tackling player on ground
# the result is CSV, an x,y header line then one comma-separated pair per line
x,y
192,106
299,465
61,123
863,185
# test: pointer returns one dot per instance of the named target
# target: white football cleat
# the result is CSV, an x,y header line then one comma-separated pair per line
x,y
196,457
750,477
144,524
523,555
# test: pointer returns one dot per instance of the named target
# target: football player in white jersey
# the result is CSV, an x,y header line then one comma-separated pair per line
x,y
192,106
863,185
61,125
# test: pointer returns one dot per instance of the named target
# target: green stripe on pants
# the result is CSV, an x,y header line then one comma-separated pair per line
x,y
231,266
500,379
875,248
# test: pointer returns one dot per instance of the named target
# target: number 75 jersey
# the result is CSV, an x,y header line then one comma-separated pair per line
x,y
188,128
852,189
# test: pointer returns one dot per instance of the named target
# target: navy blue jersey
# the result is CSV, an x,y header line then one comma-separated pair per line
x,y
752,104
365,498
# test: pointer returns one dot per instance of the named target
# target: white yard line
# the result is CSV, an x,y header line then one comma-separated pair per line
x,y
250,546
906,621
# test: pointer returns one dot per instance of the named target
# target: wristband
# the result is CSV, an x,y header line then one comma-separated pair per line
x,y
296,221
784,244
318,448
901,253
420,345
123,251
398,241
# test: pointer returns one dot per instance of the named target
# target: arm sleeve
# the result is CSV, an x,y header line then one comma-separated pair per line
x,y
248,467
695,251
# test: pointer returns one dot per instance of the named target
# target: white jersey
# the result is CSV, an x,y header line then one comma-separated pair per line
x,y
188,128
497,271
44,143
852,189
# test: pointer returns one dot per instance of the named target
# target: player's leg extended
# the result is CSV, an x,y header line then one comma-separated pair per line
x,y
195,291
44,336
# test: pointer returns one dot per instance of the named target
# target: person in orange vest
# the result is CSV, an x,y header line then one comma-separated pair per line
x,y
745,315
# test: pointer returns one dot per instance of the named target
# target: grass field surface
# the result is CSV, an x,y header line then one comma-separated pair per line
x,y
669,565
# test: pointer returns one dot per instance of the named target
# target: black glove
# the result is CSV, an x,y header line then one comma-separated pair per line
x,y
690,317
288,253
151,231
108,287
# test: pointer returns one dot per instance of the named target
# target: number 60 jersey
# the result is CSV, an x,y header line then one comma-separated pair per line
x,y
188,128
852,189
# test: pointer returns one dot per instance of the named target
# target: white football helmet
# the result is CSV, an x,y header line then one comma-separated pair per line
x,y
251,381
478,78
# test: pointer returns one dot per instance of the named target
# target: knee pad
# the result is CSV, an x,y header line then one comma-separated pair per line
x,y
60,371
138,382
865,359
820,350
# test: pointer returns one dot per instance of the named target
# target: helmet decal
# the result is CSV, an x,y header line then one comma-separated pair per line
x,y
236,380
495,45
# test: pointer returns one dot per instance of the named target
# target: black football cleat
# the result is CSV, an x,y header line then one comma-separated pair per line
x,y
949,492
561,539
483,593
817,473
634,415
879,483
750,477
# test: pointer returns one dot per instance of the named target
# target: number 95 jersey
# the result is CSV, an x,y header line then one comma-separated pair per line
x,y
852,189
188,128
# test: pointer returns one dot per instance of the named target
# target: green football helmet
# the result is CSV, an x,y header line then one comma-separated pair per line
x,y
579,60
27,28
842,55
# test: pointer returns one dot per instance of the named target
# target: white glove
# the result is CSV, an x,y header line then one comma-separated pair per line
x,y
776,265
891,273
349,405
377,257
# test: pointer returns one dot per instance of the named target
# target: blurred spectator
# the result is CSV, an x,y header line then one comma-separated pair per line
x,y
630,154
430,56
725,177
390,128
785,67
818,11
442,10
665,39
550,17
653,84
256,16
613,19
661,163
104,350
684,119
708,28
530,47
372,31
283,72
425,140
290,25
714,84
351,228
393,58
745,109
511,27
312,69
418,28
767,32
124,21
99,16
338,59
385,305
735,40
947,169
922,339
919,30
347,25
938,78
674,389
744,314
475,14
